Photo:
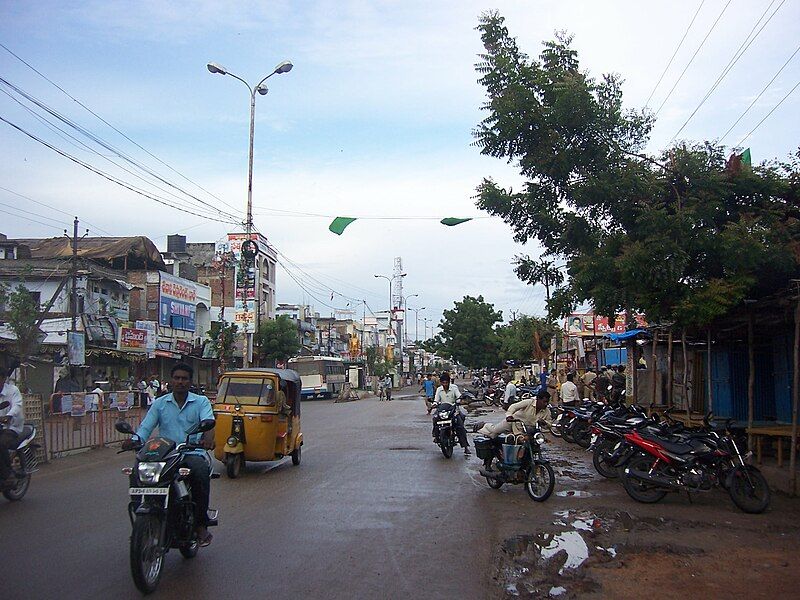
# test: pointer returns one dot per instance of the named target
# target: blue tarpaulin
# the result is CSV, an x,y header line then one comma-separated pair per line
x,y
621,337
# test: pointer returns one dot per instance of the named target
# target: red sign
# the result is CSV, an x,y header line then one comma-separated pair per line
x,y
132,340
183,346
589,324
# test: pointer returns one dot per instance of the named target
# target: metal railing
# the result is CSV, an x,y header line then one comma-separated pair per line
x,y
83,420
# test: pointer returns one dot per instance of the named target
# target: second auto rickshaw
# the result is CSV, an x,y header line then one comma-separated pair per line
x,y
258,417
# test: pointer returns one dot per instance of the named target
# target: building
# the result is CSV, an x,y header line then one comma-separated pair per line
x,y
305,319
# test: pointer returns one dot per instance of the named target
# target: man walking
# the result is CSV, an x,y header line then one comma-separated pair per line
x,y
569,391
430,390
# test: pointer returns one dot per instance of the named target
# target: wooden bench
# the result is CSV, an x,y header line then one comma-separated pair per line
x,y
770,431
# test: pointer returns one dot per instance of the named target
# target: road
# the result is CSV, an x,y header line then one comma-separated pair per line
x,y
372,511
375,511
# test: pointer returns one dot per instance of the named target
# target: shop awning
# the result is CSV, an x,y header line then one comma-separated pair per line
x,y
628,335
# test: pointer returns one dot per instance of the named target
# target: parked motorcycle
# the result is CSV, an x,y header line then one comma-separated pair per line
x,y
161,510
23,460
694,462
517,459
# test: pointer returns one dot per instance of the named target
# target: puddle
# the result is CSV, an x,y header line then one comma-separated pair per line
x,y
548,551
556,591
575,494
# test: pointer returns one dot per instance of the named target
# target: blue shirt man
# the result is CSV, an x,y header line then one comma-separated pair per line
x,y
173,421
428,385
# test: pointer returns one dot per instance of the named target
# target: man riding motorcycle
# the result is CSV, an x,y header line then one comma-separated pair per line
x,y
449,394
174,414
13,416
530,411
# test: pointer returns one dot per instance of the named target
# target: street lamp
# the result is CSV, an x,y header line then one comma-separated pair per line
x,y
261,88
416,322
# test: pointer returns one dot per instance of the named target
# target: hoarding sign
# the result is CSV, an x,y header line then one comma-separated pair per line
x,y
76,347
132,339
152,333
177,302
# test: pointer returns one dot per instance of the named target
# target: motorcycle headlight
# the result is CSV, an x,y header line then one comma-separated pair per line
x,y
150,472
233,441
538,438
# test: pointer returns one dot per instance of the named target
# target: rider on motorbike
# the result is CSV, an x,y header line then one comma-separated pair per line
x,y
174,414
531,411
449,394
13,417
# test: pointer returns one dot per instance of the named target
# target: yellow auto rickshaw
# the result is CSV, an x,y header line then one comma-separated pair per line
x,y
258,417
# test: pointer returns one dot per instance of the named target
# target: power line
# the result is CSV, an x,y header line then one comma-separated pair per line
x,y
109,147
107,176
678,47
732,62
31,220
761,93
81,104
28,212
774,108
691,60
63,212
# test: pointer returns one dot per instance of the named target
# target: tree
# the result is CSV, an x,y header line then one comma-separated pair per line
x,y
542,271
468,335
684,236
223,339
22,313
277,340
526,338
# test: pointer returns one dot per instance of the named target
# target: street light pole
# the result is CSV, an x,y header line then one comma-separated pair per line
x,y
283,67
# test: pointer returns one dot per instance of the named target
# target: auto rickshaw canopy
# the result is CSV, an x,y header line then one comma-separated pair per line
x,y
288,381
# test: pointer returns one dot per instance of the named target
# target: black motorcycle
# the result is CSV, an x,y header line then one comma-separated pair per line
x,y
517,459
23,461
445,418
161,509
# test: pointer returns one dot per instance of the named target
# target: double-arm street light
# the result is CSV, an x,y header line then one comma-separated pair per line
x,y
416,322
400,340
261,88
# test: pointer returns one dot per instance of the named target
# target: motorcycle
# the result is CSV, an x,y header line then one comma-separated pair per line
x,y
23,460
694,462
445,416
161,510
607,436
519,460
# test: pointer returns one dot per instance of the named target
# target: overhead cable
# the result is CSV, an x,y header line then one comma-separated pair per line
x,y
691,60
732,62
774,108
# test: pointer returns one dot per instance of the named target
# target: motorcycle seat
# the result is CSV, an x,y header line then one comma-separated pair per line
x,y
674,447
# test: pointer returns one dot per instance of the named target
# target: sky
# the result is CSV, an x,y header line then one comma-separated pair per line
x,y
375,119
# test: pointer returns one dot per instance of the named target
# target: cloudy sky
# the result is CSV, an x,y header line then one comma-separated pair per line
x,y
374,120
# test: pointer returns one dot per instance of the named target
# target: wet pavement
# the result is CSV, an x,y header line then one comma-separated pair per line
x,y
375,511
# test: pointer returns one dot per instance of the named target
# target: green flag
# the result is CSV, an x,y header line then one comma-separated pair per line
x,y
451,221
746,159
339,224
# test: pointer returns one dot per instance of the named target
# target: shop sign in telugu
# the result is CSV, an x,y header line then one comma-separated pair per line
x,y
132,340
177,302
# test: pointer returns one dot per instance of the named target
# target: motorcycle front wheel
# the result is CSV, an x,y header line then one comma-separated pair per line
x,y
600,456
751,494
147,553
541,481
446,444
19,464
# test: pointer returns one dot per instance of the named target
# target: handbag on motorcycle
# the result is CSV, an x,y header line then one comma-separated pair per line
x,y
483,447
512,452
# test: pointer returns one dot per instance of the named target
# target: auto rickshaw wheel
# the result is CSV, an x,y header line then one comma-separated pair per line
x,y
234,464
296,456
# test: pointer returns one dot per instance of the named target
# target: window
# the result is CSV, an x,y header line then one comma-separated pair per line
x,y
36,297
246,390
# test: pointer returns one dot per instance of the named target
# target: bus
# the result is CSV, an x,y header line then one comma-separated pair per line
x,y
321,376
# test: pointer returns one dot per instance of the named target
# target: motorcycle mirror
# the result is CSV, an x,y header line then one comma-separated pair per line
x,y
123,427
4,404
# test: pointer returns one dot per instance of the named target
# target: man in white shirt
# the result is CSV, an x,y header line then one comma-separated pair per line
x,y
448,393
569,391
510,395
13,417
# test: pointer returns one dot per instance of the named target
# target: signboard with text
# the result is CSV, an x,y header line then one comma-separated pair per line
x,y
589,325
177,300
132,339
245,294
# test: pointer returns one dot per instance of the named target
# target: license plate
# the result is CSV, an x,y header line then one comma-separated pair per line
x,y
440,423
139,491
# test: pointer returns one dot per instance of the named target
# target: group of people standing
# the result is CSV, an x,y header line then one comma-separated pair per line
x,y
605,384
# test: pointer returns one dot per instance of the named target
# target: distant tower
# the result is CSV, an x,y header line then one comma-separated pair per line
x,y
397,295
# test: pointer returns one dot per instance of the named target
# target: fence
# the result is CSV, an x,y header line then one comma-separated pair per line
x,y
79,421
32,405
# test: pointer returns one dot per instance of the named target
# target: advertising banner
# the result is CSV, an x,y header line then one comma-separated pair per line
x,y
245,295
76,347
177,302
589,325
132,339
152,333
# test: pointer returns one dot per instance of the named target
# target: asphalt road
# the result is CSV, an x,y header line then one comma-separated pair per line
x,y
374,510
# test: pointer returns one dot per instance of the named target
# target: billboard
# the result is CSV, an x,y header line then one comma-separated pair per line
x,y
177,300
589,324
76,347
245,295
152,333
132,339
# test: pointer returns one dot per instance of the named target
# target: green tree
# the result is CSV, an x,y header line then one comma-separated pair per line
x,y
539,271
22,314
526,338
277,340
468,335
223,340
683,236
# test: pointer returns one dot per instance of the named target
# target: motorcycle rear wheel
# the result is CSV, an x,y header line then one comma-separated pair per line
x,y
19,464
599,456
541,481
147,553
639,490
582,434
753,499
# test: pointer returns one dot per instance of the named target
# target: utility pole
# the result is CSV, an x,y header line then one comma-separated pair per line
x,y
73,303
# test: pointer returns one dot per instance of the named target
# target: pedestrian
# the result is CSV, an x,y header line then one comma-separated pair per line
x,y
569,391
13,417
510,394
618,384
601,384
552,386
387,384
588,383
430,390
96,400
